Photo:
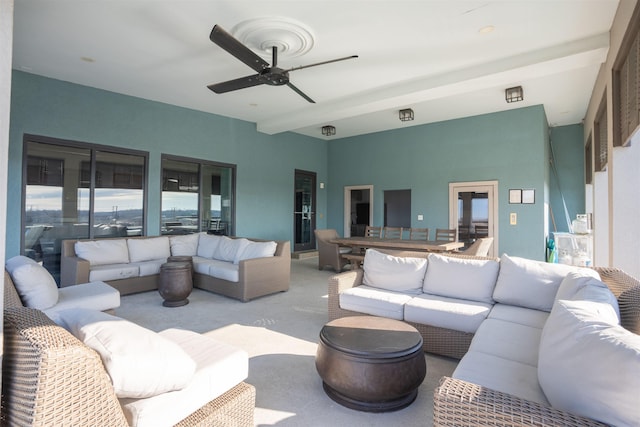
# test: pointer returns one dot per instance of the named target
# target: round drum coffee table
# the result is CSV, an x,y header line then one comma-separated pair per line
x,y
371,363
175,283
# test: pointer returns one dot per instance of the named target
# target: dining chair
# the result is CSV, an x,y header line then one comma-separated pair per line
x,y
372,231
393,232
419,234
446,234
480,247
330,253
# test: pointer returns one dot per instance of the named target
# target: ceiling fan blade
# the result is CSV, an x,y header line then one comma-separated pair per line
x,y
241,83
301,93
226,41
322,63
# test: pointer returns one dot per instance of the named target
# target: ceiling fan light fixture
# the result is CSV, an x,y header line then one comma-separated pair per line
x,y
514,94
328,130
406,115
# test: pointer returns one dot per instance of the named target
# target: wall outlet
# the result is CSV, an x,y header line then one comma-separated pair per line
x,y
420,217
513,218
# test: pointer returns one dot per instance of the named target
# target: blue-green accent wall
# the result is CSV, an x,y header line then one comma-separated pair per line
x,y
511,147
568,150
507,146
265,163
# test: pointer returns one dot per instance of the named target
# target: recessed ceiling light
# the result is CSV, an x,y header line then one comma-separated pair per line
x,y
487,29
87,59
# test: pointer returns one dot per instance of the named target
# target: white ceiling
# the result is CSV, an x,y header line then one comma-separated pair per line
x,y
426,55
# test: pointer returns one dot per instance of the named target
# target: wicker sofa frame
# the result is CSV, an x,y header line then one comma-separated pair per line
x,y
459,403
50,378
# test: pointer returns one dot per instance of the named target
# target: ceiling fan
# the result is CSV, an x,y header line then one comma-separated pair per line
x,y
267,74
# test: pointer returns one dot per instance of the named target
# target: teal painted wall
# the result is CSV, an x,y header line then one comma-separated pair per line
x,y
507,146
568,150
511,147
265,163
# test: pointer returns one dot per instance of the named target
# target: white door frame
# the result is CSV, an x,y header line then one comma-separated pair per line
x,y
347,206
489,187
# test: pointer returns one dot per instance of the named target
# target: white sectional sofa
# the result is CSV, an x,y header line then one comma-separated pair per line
x,y
236,267
541,335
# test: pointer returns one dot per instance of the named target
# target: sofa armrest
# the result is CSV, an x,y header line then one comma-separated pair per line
x,y
459,403
263,276
51,378
73,270
339,283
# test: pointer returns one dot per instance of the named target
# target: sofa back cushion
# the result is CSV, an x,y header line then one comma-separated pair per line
x,y
228,248
186,245
140,362
149,248
585,285
529,283
103,251
588,364
401,274
208,244
469,279
255,250
35,285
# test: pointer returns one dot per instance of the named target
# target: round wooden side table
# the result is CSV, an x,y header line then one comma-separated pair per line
x,y
370,363
175,284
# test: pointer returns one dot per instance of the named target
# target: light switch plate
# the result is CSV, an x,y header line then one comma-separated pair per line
x,y
420,217
513,218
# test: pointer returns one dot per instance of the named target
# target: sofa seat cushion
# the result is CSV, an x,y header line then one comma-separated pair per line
x,y
221,269
149,268
392,273
497,373
94,296
374,301
589,365
219,367
104,273
140,362
457,314
470,279
103,251
521,315
148,248
35,285
508,340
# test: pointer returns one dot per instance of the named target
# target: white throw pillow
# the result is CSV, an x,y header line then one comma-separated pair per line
x,y
35,285
140,362
150,248
207,245
529,283
256,250
229,248
400,274
588,365
469,279
577,280
103,251
186,245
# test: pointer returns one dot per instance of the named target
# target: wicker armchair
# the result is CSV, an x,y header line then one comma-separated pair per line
x,y
50,378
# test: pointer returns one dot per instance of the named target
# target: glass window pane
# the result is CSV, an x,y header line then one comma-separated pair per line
x,y
55,207
119,195
180,190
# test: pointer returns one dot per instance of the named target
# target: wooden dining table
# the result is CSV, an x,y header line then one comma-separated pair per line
x,y
399,244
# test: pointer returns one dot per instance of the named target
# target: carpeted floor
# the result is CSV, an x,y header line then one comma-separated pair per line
x,y
280,333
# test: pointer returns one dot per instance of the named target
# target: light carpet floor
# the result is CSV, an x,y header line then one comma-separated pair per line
x,y
280,333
